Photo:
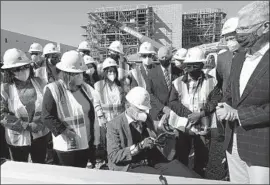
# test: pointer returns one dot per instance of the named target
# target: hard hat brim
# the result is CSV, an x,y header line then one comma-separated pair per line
x,y
53,52
142,107
16,65
34,50
193,61
63,68
117,51
178,58
147,52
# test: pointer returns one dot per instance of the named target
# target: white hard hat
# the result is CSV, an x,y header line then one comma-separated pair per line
x,y
84,45
180,54
109,62
88,59
139,97
117,47
195,55
35,47
15,58
229,26
72,62
147,48
50,48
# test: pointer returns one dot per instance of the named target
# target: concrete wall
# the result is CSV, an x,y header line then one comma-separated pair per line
x,y
16,40
168,24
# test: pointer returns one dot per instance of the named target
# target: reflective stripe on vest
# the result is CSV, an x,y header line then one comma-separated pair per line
x,y
71,113
15,106
137,74
197,101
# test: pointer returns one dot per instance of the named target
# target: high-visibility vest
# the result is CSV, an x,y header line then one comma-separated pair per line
x,y
196,101
137,74
10,94
70,112
105,107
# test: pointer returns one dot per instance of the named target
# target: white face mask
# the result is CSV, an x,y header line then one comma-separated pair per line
x,y
233,45
111,77
141,116
35,58
90,71
147,61
22,75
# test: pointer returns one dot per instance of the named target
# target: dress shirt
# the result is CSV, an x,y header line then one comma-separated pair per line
x,y
249,66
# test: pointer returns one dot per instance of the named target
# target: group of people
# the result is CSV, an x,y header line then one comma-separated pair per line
x,y
145,118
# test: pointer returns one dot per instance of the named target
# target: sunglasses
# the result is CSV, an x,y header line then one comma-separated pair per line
x,y
34,54
147,56
74,74
111,70
86,52
17,69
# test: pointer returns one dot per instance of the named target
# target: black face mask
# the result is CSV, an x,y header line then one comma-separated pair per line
x,y
165,63
116,57
194,70
247,40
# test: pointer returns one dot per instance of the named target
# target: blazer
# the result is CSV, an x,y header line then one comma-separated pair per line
x,y
158,90
119,140
253,112
134,83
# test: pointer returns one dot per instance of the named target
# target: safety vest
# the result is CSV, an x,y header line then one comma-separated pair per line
x,y
137,74
71,113
42,73
105,107
197,100
15,106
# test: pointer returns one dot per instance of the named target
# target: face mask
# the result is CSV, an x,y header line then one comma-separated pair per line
x,y
22,75
53,61
142,116
90,71
147,61
35,58
114,56
233,45
77,80
165,63
247,40
111,77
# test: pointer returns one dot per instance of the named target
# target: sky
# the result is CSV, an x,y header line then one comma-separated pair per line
x,y
60,21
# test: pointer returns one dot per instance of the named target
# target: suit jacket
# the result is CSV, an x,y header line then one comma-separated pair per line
x,y
223,69
119,140
144,75
253,112
158,89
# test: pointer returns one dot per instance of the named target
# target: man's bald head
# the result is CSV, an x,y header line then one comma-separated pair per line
x,y
255,12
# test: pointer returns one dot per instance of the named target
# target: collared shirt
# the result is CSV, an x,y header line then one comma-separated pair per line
x,y
169,70
130,119
249,66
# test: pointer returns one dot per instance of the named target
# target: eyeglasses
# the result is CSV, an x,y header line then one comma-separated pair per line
x,y
17,69
34,54
147,56
244,28
86,52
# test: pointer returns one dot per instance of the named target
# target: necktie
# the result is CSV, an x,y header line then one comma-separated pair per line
x,y
167,78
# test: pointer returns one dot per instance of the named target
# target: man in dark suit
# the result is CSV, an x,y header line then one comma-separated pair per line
x,y
132,142
139,75
246,100
160,83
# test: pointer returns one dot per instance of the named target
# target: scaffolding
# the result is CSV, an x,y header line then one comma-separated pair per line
x,y
202,27
101,35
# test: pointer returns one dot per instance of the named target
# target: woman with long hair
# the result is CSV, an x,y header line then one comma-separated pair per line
x,y
68,111
90,76
111,95
21,105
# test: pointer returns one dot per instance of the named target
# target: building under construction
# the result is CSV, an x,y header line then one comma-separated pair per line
x,y
202,26
161,23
